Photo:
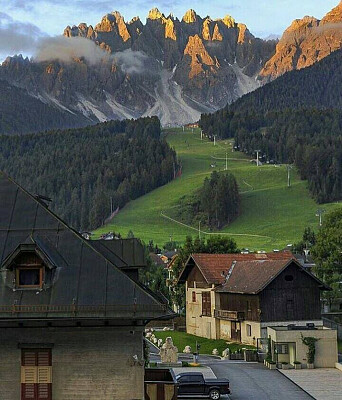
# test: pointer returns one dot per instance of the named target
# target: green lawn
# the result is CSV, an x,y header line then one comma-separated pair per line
x,y
272,214
182,339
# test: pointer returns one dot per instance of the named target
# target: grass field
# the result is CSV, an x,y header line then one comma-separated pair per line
x,y
182,339
272,215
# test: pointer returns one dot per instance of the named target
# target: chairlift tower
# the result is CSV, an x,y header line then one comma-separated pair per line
x,y
258,152
319,214
289,167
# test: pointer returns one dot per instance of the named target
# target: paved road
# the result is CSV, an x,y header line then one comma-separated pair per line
x,y
250,381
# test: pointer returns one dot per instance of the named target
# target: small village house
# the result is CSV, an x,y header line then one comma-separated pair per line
x,y
72,311
287,344
238,296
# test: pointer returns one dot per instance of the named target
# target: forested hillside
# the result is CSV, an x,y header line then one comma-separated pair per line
x,y
85,170
21,113
295,119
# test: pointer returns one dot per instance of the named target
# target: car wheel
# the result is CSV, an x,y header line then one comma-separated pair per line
x,y
214,394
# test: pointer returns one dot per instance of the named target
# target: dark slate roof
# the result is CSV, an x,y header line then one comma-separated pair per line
x,y
87,279
124,253
251,277
214,267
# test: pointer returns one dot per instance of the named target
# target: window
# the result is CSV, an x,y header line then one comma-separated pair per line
x,y
36,374
28,277
206,304
194,297
282,348
288,278
249,330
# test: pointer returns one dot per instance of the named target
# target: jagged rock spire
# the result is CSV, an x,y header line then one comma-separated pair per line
x,y
190,16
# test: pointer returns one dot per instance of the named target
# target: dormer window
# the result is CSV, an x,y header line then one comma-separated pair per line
x,y
31,266
29,271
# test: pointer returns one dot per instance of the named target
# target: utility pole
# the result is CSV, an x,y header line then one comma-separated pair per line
x,y
258,152
319,214
289,167
226,162
201,134
214,140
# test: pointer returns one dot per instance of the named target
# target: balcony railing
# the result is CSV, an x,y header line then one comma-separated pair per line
x,y
230,315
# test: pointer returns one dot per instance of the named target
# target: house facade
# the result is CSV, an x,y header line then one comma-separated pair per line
x,y
237,296
72,311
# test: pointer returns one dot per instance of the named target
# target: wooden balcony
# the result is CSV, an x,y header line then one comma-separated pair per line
x,y
229,315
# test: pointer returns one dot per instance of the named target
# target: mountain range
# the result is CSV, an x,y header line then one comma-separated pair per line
x,y
175,69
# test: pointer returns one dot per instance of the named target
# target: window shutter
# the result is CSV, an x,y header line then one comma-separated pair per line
x,y
43,391
28,375
28,391
44,375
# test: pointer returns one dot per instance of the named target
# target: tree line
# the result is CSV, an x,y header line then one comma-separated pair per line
x,y
88,172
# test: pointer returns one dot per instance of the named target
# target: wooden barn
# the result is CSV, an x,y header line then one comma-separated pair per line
x,y
72,311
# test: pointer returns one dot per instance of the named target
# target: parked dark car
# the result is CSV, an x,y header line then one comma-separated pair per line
x,y
193,384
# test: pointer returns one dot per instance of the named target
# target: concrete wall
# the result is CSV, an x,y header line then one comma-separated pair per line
x,y
326,346
196,324
92,364
255,334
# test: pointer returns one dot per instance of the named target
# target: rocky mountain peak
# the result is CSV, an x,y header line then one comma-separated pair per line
x,y
244,34
190,17
334,16
229,21
217,34
114,22
133,20
306,22
170,32
199,56
304,43
155,14
206,28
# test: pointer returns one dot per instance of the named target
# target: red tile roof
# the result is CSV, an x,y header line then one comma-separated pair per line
x,y
252,276
213,266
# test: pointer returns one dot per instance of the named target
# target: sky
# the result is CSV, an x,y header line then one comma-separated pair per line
x,y
33,19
